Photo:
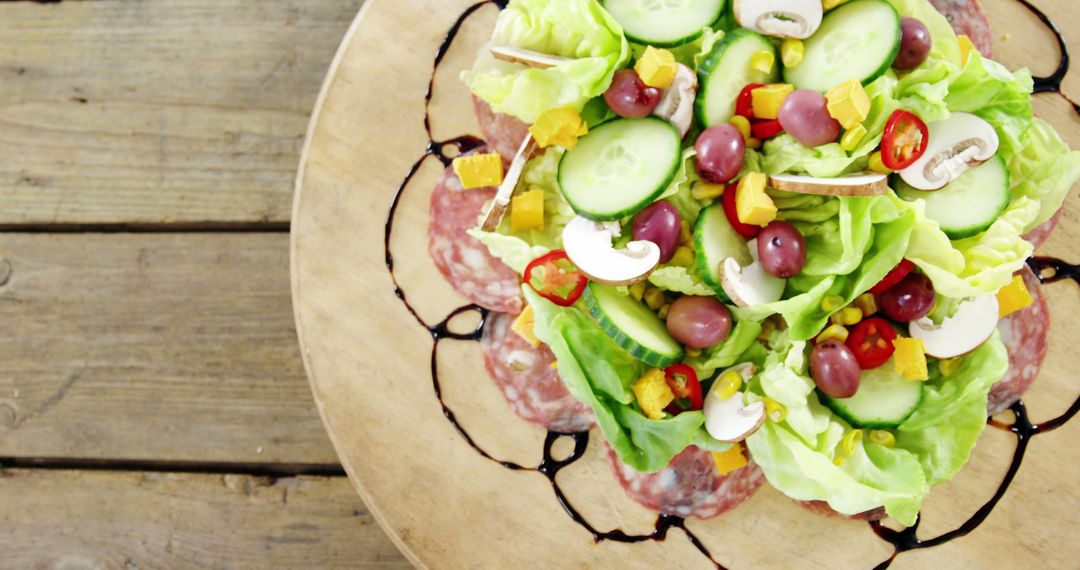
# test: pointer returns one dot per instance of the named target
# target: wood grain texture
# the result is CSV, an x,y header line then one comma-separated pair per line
x,y
181,112
73,519
442,502
153,348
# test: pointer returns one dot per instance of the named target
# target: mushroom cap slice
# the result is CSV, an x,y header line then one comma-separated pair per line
x,y
750,285
732,420
974,322
781,18
956,144
589,245
865,184
677,104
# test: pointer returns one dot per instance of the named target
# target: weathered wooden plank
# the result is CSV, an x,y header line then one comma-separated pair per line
x,y
188,112
79,519
154,347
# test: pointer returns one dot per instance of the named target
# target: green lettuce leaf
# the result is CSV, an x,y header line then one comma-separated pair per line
x,y
733,350
680,280
1044,169
945,45
578,29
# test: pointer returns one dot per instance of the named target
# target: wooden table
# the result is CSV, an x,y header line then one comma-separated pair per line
x,y
153,406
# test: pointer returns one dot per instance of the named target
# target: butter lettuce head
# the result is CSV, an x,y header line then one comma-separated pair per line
x,y
578,29
797,454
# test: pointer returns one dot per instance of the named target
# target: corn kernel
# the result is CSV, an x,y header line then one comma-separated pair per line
x,y
637,290
830,4
743,125
851,442
685,235
702,190
831,303
654,298
753,143
867,303
774,410
876,165
882,437
852,137
693,352
839,460
663,312
792,51
949,367
763,61
848,316
833,332
730,382
730,460
684,257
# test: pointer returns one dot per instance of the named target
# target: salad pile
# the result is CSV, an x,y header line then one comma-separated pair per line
x,y
787,228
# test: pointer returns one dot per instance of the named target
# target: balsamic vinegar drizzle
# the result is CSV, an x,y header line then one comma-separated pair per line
x,y
1048,270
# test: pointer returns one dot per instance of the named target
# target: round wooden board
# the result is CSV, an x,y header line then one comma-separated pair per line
x,y
446,506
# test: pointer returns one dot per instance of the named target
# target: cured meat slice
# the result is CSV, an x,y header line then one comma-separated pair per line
x,y
968,17
528,380
823,508
690,486
1025,335
1041,234
461,258
503,132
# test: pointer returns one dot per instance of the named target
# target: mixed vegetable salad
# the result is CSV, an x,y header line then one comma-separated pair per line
x,y
782,227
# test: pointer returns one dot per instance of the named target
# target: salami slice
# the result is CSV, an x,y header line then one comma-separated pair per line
x,y
527,379
461,258
690,485
823,508
1025,335
503,132
968,17
1041,234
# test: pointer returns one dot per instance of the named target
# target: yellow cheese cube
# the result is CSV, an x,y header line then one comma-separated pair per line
x,y
910,358
653,394
479,170
766,101
559,127
1013,297
851,139
848,103
657,67
524,326
527,211
966,47
830,4
792,51
763,61
753,205
730,460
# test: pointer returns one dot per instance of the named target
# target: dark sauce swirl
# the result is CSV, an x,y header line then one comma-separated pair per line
x,y
1049,270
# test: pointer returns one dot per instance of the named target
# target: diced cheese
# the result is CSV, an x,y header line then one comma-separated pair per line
x,y
730,460
792,51
753,205
527,211
910,358
763,61
848,103
653,394
766,101
524,326
966,47
657,67
479,170
559,127
1013,297
852,138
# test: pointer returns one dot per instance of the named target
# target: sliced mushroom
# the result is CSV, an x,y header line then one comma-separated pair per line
x,y
781,18
588,244
866,184
750,285
497,209
731,420
677,104
527,57
956,144
973,323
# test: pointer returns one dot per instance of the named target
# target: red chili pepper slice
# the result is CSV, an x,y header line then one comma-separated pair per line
x,y
905,140
747,231
872,343
556,278
683,381
895,276
764,130
744,106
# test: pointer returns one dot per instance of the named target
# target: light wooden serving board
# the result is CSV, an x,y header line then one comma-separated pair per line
x,y
446,506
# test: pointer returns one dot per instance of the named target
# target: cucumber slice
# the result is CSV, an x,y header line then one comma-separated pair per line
x,y
858,40
726,71
665,23
714,241
620,167
632,326
969,204
884,400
